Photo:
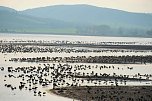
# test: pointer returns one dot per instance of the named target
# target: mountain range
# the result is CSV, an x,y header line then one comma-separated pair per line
x,y
76,20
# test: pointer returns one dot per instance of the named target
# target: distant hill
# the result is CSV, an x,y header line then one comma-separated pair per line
x,y
2,8
76,20
12,20
86,14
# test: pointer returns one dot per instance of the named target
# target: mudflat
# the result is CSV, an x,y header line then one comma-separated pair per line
x,y
106,93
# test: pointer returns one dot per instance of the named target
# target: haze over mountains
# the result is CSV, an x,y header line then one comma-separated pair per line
x,y
76,20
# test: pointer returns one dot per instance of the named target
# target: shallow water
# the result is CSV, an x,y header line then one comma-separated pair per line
x,y
91,39
7,94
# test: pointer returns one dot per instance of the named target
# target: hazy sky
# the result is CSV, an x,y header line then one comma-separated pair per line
x,y
127,5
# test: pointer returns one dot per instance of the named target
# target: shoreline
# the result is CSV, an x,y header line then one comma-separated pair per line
x,y
67,34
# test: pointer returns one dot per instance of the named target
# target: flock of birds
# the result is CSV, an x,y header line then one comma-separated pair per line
x,y
65,75
60,72
13,48
90,59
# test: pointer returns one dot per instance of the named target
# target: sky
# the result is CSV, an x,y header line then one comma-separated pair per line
x,y
142,6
